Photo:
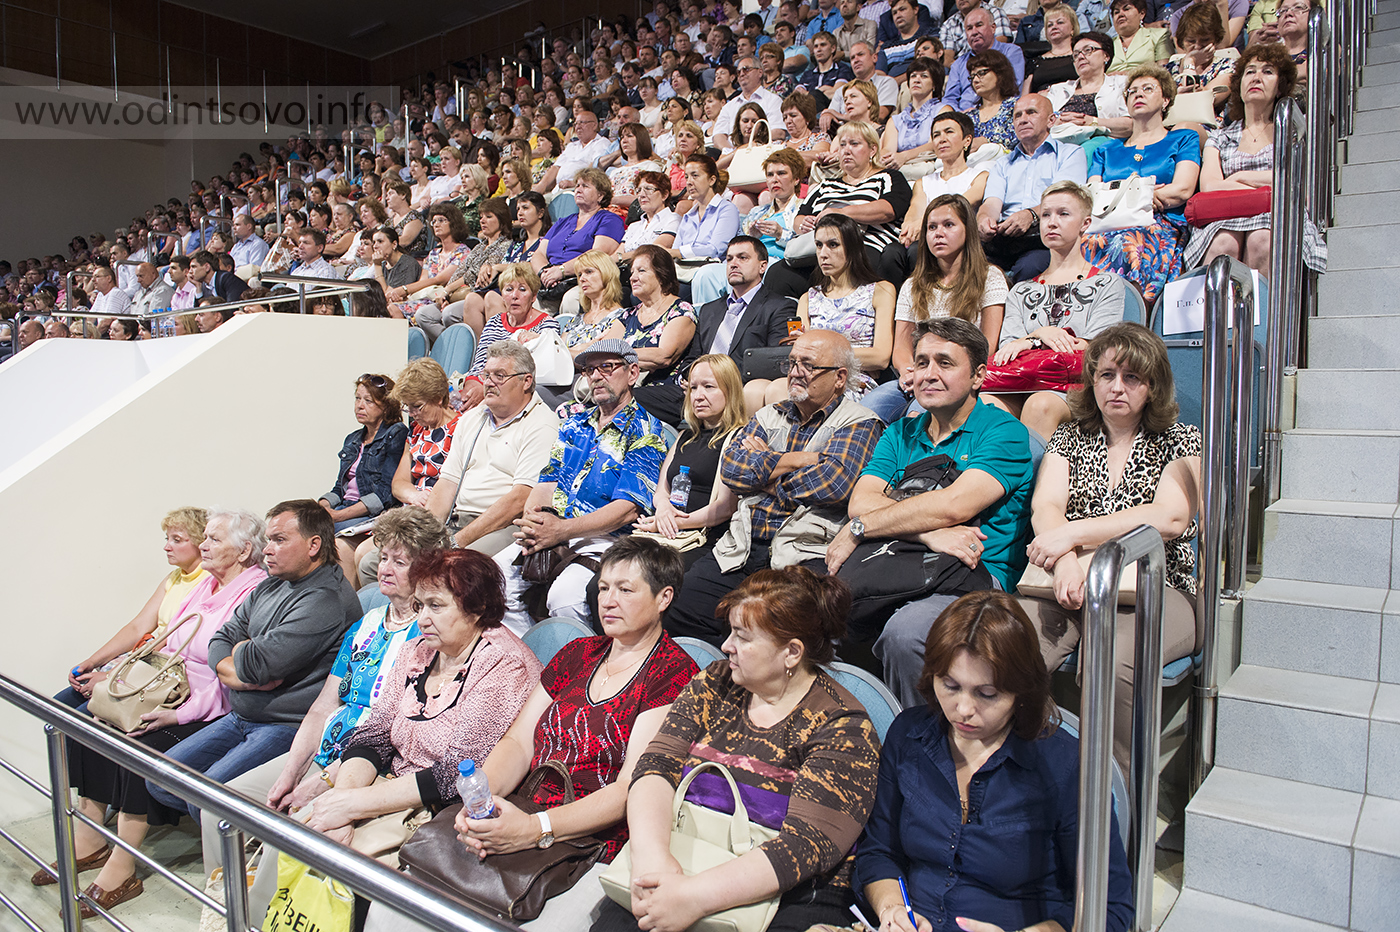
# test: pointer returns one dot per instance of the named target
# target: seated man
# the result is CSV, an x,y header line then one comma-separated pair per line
x,y
793,466
107,298
899,33
601,476
498,452
982,517
749,316
958,93
1009,220
276,651
155,294
204,271
953,32
584,152
310,261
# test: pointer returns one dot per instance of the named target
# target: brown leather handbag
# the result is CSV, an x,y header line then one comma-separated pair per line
x,y
515,886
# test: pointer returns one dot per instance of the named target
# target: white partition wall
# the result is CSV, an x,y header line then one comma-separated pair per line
x,y
103,438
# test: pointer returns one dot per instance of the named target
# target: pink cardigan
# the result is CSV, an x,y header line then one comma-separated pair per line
x,y
208,697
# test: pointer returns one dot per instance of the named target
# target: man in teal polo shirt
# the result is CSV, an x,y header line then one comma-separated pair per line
x,y
990,447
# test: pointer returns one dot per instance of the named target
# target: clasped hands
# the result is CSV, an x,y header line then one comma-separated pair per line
x,y
539,528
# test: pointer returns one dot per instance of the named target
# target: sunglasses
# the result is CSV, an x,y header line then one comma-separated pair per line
x,y
378,381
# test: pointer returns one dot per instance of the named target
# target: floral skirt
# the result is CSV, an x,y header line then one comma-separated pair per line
x,y
1149,257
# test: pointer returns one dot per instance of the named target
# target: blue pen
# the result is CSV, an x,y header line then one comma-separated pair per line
x,y
904,893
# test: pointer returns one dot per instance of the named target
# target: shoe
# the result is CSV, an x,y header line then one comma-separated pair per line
x,y
109,898
90,863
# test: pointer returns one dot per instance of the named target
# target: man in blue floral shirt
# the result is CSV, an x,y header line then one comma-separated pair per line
x,y
600,478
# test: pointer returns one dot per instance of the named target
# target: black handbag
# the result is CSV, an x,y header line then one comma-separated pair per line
x,y
885,574
762,362
515,886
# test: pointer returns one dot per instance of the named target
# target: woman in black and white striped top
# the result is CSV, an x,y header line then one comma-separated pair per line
x,y
866,193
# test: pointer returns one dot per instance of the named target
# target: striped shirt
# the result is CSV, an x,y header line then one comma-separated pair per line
x,y
886,186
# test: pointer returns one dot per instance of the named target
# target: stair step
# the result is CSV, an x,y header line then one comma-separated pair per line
x,y
1204,912
1355,342
1380,74
1390,642
1366,210
1383,763
1300,726
1339,465
1274,843
1375,147
1375,121
1313,627
1345,543
1365,247
1384,53
1344,292
1375,881
1361,399
1384,21
1377,97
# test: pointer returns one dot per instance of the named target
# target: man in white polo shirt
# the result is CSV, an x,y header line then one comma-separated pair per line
x,y
751,89
863,59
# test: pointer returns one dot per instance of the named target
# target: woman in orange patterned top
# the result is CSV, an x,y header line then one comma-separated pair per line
x,y
801,748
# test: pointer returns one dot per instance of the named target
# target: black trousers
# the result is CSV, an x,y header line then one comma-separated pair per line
x,y
800,908
1020,257
665,402
692,613
792,279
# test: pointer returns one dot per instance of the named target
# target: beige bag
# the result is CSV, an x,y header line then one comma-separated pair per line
x,y
746,168
1036,583
145,681
701,839
1122,205
1193,107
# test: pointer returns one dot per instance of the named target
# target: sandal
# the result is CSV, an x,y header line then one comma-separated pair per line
x,y
92,862
109,898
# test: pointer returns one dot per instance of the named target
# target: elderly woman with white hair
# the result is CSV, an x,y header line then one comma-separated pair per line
x,y
232,555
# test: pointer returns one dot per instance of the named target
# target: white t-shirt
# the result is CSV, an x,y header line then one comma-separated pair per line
x,y
886,90
993,293
644,231
934,185
772,106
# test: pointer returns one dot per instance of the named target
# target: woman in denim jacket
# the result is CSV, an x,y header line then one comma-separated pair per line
x,y
369,457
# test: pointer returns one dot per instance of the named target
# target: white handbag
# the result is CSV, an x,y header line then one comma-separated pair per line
x,y
701,839
554,365
1122,205
1193,107
746,168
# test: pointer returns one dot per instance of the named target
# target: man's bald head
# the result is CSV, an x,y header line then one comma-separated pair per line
x,y
146,274
1030,118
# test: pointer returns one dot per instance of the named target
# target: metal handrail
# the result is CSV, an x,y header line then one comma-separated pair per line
x,y
1227,432
1143,546
237,814
327,286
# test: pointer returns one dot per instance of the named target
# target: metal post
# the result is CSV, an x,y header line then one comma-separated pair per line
x,y
1285,284
235,877
1239,454
63,830
301,303
1319,120
1142,545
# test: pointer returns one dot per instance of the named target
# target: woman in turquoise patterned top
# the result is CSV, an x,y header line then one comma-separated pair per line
x,y
366,656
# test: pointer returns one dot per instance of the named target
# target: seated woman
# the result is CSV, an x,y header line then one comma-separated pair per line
x,y
815,786
800,121
874,197
985,764
1240,157
660,326
475,189
183,528
598,706
1136,45
1123,461
1062,309
1093,98
650,110
713,409
528,247
657,224
415,236
497,237
520,321
1056,64
391,266
750,126
634,157
845,297
594,228
674,111
690,140
451,251
600,300
952,278
1149,257
994,81
771,62
951,138
364,485
451,695
907,135
231,555
419,169
707,227
1202,64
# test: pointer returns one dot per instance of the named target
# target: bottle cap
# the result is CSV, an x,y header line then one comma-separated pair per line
x,y
685,470
467,767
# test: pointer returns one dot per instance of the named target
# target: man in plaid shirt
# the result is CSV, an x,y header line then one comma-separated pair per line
x,y
793,467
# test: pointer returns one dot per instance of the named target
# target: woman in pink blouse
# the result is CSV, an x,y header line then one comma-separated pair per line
x,y
232,555
451,695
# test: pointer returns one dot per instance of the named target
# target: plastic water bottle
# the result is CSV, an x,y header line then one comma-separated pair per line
x,y
680,489
475,791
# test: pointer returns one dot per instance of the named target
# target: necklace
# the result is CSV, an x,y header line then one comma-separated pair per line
x,y
394,622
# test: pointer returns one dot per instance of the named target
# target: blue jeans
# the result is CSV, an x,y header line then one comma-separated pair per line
x,y
72,698
227,747
888,401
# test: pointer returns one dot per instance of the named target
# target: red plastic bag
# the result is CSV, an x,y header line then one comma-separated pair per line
x,y
1209,206
1036,370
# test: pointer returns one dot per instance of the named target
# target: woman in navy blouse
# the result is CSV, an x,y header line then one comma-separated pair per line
x,y
978,796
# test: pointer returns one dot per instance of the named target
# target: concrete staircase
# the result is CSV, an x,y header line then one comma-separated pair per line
x,y
1297,829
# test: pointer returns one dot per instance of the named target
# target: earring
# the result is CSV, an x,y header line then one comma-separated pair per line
x,y
789,672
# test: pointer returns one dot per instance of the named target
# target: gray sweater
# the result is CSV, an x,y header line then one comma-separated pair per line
x,y
294,631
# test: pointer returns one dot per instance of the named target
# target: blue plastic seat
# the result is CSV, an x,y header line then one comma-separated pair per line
x,y
548,636
454,349
873,694
417,344
702,652
1069,722
1134,308
371,597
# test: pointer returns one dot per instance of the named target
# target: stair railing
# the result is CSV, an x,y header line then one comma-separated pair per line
x,y
237,815
1143,546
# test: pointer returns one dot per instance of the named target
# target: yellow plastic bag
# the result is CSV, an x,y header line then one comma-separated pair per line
x,y
307,899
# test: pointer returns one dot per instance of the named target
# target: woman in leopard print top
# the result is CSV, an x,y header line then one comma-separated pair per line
x,y
1123,461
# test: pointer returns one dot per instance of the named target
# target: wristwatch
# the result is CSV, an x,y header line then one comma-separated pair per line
x,y
546,831
858,529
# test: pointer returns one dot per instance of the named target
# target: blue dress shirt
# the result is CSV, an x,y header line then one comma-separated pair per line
x,y
958,92
1018,180
1013,863
707,234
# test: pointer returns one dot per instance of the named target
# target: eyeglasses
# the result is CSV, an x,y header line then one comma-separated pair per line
x,y
979,73
494,378
604,369
378,381
801,365
1086,52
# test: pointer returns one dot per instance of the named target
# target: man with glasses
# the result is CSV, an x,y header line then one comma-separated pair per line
x,y
751,89
600,478
793,467
981,36
584,152
982,517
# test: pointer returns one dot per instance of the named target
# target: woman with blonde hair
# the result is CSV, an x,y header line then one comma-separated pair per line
x,y
599,299
475,188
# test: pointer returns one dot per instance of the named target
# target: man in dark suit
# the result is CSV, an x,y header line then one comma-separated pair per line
x,y
751,315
